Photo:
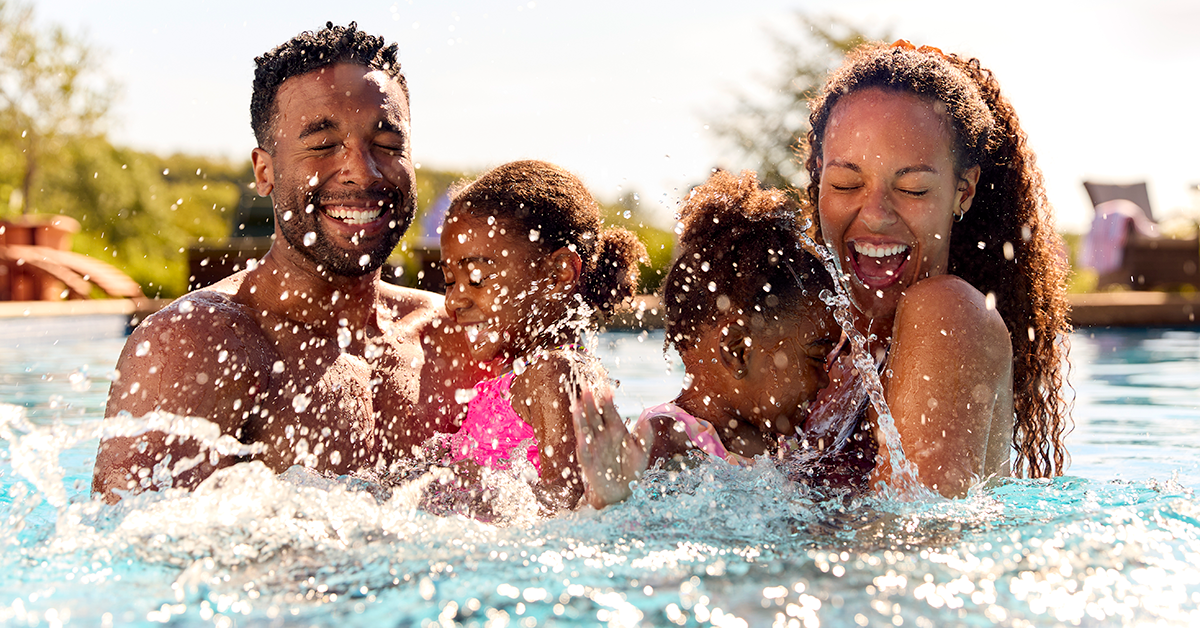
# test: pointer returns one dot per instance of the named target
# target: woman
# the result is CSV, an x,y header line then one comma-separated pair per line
x,y
927,194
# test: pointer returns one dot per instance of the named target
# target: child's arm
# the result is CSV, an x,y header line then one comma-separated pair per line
x,y
541,396
609,456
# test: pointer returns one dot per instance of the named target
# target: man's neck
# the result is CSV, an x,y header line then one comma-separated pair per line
x,y
290,285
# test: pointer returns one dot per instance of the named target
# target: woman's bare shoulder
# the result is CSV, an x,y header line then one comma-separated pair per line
x,y
950,307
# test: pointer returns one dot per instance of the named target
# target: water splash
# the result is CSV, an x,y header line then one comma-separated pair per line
x,y
904,480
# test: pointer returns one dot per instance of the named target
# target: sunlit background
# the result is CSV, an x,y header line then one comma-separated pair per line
x,y
623,92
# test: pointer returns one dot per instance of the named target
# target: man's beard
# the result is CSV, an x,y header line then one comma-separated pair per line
x,y
330,257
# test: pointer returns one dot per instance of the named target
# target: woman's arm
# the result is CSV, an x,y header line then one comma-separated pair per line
x,y
948,384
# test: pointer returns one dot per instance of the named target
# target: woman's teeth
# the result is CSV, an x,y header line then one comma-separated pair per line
x,y
872,250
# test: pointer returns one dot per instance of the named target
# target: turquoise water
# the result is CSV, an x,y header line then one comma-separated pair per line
x,y
1117,542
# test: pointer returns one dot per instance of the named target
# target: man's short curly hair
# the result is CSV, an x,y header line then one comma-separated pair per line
x,y
310,51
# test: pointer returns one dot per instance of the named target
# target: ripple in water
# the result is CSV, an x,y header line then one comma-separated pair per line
x,y
707,545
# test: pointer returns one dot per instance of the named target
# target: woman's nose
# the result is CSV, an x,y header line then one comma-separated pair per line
x,y
877,211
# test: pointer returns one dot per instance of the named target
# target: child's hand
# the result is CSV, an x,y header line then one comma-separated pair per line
x,y
609,456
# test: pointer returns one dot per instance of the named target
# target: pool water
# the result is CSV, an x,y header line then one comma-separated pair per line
x,y
1117,542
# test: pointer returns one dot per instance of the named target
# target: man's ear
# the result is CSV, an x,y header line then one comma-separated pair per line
x,y
565,267
264,171
733,346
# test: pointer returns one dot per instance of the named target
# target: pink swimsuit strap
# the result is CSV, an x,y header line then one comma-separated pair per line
x,y
492,430
701,433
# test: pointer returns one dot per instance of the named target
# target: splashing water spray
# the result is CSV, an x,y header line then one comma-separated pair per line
x,y
903,482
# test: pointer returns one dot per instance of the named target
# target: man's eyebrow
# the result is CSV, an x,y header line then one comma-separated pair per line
x,y
316,126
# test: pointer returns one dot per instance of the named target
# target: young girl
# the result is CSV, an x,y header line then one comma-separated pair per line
x,y
528,269
743,310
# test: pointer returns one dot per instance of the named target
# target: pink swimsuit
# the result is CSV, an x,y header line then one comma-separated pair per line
x,y
492,429
701,433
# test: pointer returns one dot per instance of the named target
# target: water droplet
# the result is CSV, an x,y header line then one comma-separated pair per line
x,y
626,214
277,367
222,356
80,382
364,260
476,275
143,348
186,306
309,238
287,215
343,337
313,181
712,286
335,457
300,402
465,395
534,235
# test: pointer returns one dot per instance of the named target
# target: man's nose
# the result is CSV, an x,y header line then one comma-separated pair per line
x,y
359,166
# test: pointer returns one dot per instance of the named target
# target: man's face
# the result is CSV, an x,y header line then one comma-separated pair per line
x,y
341,173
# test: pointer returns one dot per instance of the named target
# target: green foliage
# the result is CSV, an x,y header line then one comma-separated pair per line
x,y
660,243
140,211
51,90
767,132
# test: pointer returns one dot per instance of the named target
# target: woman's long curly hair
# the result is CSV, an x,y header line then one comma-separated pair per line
x,y
1005,245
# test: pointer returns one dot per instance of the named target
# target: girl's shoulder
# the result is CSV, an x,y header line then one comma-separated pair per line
x,y
557,368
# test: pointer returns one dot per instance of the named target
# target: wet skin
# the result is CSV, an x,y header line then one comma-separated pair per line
x,y
753,380
510,297
308,354
889,191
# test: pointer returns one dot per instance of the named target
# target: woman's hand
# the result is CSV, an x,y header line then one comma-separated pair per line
x,y
609,456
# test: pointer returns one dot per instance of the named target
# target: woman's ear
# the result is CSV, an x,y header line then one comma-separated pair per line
x,y
264,171
565,266
966,189
733,346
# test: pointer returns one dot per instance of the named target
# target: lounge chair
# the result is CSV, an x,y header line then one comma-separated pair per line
x,y
1126,248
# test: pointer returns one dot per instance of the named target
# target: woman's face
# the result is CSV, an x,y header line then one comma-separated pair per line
x,y
889,193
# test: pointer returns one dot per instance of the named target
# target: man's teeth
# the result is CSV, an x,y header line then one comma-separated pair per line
x,y
871,250
354,216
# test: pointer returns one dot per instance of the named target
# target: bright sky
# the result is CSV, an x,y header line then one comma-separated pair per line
x,y
620,91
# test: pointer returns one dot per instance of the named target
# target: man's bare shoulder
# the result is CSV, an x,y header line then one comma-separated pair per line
x,y
190,356
203,312
411,303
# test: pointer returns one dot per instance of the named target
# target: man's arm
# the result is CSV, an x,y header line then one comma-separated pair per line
x,y
190,359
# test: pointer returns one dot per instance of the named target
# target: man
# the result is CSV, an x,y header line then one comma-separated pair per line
x,y
308,357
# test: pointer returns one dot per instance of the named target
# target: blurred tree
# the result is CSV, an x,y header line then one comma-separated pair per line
x,y
51,88
627,212
767,132
140,211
